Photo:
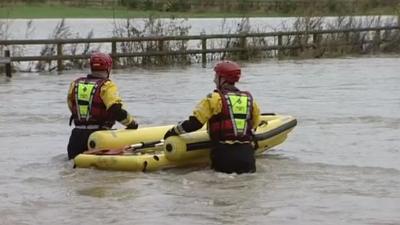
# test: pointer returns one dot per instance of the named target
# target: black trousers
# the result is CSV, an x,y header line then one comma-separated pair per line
x,y
78,141
233,158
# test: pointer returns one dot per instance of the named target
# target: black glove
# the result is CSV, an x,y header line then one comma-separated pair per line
x,y
133,125
169,133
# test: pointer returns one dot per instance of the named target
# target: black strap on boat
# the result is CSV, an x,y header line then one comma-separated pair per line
x,y
144,166
275,131
199,145
71,118
257,137
255,141
268,114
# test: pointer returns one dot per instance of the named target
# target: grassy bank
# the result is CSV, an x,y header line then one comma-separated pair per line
x,y
32,11
58,11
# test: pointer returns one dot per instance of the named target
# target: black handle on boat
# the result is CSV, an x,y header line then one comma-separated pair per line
x,y
133,148
145,145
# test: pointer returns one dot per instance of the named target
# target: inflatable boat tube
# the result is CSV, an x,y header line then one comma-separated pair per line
x,y
197,144
177,151
112,139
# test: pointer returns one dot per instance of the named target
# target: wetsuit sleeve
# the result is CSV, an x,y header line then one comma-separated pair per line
x,y
204,110
110,94
192,124
209,106
256,115
69,96
114,104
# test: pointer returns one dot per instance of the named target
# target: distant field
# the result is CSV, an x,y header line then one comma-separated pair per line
x,y
35,11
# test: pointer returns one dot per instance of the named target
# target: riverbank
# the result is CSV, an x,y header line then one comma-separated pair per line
x,y
37,11
58,11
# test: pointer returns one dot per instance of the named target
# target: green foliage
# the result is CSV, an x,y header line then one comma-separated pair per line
x,y
193,8
287,6
243,5
132,4
34,1
338,7
177,6
148,5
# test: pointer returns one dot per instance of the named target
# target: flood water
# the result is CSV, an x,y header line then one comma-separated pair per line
x,y
340,165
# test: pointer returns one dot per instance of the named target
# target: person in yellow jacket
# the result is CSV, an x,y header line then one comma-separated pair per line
x,y
95,104
231,116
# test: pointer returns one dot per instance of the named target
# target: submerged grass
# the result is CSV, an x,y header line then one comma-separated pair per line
x,y
152,26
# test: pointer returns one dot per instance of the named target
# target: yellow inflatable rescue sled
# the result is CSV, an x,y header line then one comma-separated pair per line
x,y
144,150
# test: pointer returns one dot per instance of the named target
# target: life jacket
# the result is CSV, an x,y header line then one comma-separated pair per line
x,y
234,122
87,106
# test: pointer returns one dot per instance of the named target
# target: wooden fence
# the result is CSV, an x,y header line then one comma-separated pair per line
x,y
242,47
7,62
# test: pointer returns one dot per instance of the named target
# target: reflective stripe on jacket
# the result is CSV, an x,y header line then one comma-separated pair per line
x,y
234,122
86,104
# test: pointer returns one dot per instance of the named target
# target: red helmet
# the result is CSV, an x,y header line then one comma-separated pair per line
x,y
100,62
229,70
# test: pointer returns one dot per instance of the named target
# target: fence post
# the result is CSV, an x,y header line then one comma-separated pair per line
x,y
204,49
161,49
347,37
316,39
113,54
398,20
280,47
8,65
60,66
243,46
377,41
316,45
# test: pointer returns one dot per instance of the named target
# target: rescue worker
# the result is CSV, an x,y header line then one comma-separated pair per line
x,y
230,115
95,104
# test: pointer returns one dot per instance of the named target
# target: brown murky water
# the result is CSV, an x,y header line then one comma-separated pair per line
x,y
339,166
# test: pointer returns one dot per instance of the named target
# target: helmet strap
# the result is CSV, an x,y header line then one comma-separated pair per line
x,y
221,82
100,74
218,83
